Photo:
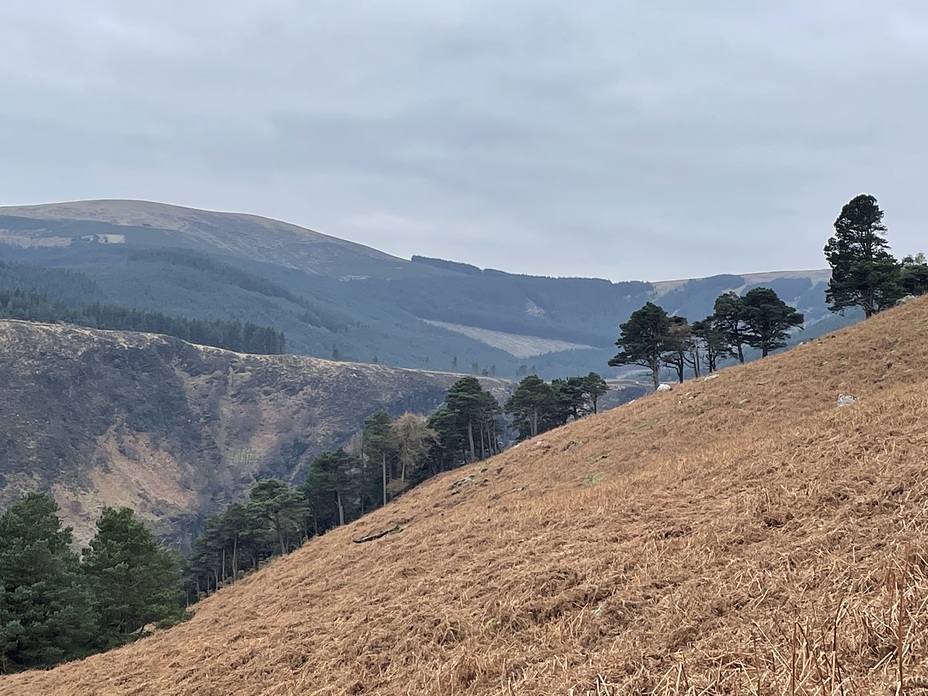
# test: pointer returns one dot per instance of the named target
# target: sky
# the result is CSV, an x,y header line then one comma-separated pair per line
x,y
615,139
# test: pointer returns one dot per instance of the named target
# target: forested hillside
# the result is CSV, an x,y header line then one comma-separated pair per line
x,y
334,299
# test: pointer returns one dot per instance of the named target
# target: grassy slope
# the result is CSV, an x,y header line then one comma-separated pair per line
x,y
703,540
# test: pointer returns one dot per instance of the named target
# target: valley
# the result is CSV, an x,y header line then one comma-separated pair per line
x,y
739,534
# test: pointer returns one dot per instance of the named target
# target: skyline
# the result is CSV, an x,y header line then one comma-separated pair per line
x,y
630,142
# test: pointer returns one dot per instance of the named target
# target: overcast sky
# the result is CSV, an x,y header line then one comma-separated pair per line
x,y
625,140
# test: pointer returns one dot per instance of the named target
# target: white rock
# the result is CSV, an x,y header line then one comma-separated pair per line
x,y
664,387
845,399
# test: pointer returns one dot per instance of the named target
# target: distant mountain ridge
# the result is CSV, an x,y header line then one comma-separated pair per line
x,y
141,222
334,298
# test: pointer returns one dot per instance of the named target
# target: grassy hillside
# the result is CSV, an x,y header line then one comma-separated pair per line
x,y
742,535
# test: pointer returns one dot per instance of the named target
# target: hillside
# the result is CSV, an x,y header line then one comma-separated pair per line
x,y
741,535
333,297
121,222
175,431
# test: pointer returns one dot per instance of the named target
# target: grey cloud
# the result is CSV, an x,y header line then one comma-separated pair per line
x,y
648,140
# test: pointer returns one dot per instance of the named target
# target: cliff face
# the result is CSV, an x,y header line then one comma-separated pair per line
x,y
171,429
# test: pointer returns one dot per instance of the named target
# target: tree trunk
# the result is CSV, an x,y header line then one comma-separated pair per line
x,y
341,510
470,440
740,354
383,466
280,538
235,558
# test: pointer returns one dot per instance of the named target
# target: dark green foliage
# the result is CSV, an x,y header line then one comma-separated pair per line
x,y
592,387
728,319
223,273
452,441
914,275
711,342
863,272
645,338
379,448
537,406
46,608
134,580
279,511
331,489
475,412
768,320
232,335
531,405
569,400
680,348
61,284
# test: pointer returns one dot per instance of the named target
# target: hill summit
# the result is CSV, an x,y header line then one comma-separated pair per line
x,y
743,534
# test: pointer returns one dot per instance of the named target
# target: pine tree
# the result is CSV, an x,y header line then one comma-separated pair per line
x,y
768,320
863,272
645,337
46,609
531,405
728,318
135,581
278,509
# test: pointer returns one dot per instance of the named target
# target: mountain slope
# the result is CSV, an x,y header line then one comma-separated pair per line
x,y
739,535
121,222
171,429
330,296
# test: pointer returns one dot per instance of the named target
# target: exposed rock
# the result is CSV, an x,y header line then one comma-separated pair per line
x,y
663,387
846,399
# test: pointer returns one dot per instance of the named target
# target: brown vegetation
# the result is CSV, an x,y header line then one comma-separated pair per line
x,y
741,535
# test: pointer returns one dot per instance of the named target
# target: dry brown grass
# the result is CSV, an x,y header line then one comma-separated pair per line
x,y
739,536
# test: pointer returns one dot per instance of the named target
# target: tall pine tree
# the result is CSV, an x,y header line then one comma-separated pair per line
x,y
863,272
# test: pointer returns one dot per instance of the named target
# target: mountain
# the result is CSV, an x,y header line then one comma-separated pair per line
x,y
335,298
142,223
744,534
174,430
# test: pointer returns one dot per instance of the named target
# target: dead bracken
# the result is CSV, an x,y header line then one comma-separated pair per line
x,y
775,545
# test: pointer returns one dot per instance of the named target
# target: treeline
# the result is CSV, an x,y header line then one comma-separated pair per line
x,y
863,274
231,335
56,605
384,459
537,406
653,339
